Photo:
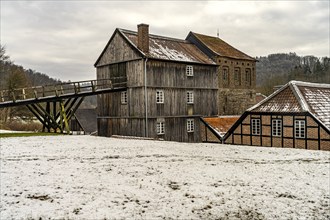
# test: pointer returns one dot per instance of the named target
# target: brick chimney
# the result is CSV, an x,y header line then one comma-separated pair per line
x,y
143,37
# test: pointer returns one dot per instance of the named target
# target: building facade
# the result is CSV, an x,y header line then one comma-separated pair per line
x,y
236,73
168,85
295,116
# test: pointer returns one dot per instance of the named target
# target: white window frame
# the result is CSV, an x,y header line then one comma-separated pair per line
x,y
300,128
159,96
190,125
189,70
190,97
255,126
160,127
277,127
123,97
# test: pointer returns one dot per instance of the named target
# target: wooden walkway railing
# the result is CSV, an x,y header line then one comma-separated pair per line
x,y
57,90
54,105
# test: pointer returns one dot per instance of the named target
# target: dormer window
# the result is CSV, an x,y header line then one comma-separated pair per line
x,y
189,70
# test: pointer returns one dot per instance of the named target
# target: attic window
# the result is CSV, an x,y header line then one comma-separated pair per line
x,y
189,70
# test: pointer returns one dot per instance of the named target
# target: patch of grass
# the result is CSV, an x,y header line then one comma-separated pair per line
x,y
18,134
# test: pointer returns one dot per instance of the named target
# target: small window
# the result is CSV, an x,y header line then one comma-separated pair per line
x,y
255,126
248,78
189,70
225,76
190,125
237,76
124,97
160,127
277,127
190,97
299,127
159,96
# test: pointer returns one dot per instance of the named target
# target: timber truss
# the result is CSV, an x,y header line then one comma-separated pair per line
x,y
55,105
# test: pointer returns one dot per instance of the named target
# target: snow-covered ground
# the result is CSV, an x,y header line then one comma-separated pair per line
x,y
85,177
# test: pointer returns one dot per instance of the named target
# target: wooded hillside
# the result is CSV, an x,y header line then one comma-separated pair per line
x,y
280,68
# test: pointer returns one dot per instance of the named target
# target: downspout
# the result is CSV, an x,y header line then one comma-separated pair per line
x,y
146,97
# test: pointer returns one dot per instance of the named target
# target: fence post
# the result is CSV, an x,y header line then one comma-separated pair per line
x,y
93,86
2,97
13,95
23,92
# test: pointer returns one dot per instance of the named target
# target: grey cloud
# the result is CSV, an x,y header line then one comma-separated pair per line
x,y
63,39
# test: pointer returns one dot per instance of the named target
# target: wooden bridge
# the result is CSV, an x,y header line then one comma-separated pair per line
x,y
54,105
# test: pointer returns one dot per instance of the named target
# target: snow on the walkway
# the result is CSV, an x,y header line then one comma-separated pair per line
x,y
85,177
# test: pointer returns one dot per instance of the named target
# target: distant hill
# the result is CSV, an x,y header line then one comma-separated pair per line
x,y
13,76
278,69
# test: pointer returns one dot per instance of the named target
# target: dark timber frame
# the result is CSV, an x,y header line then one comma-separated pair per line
x,y
232,134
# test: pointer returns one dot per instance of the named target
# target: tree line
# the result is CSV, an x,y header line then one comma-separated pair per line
x,y
13,76
280,68
272,70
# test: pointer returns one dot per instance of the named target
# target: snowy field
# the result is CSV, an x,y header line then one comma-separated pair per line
x,y
84,177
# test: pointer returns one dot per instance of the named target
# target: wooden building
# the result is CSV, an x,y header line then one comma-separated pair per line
x,y
295,116
84,121
170,83
237,73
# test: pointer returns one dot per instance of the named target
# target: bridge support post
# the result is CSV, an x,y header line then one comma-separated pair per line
x,y
54,119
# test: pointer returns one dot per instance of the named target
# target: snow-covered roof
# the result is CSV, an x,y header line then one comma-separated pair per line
x,y
297,96
169,48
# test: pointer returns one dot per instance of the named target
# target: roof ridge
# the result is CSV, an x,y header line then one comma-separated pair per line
x,y
310,84
157,36
300,98
196,34
268,97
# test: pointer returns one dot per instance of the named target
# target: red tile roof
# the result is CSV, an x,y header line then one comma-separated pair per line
x,y
221,124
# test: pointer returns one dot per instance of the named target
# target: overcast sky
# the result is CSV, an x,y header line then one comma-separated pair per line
x,y
64,38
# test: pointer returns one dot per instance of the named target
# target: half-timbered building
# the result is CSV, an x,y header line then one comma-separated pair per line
x,y
295,116
169,84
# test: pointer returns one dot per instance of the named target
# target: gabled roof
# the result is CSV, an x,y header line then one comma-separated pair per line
x,y
221,124
166,48
220,47
298,96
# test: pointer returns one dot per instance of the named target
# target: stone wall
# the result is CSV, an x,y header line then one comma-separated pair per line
x,y
235,101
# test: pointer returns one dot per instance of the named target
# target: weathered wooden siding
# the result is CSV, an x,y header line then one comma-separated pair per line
x,y
175,128
175,103
115,118
118,50
316,137
173,74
